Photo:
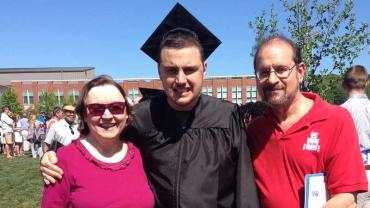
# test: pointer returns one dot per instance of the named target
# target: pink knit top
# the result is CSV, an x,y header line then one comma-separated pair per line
x,y
88,182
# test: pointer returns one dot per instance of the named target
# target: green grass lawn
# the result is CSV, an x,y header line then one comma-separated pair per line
x,y
20,182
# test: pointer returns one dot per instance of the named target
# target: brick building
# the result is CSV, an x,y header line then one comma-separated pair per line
x,y
48,73
28,83
66,83
236,89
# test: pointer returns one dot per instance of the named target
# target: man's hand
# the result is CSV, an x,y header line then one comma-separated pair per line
x,y
49,170
341,200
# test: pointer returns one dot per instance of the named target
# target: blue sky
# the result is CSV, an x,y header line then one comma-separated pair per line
x,y
108,34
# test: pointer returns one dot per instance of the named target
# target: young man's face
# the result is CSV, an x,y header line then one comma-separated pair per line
x,y
182,72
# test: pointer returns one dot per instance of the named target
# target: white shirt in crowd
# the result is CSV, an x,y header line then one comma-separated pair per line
x,y
6,123
62,133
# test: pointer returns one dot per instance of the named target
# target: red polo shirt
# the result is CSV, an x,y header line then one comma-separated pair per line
x,y
322,141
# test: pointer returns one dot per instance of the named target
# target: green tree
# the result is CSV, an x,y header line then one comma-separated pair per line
x,y
9,98
71,100
47,102
324,30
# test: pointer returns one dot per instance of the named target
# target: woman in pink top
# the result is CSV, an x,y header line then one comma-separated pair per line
x,y
100,169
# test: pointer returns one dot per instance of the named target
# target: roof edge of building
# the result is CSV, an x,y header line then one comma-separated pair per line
x,y
46,69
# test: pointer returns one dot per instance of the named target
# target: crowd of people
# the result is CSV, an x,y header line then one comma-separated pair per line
x,y
34,133
20,133
181,148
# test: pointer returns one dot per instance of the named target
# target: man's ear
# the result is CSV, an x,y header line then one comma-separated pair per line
x,y
204,69
158,65
159,71
301,69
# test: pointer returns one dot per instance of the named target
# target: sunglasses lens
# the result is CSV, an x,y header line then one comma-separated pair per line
x,y
117,108
99,109
96,109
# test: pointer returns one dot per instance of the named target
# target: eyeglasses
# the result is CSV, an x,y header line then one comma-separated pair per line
x,y
282,72
97,109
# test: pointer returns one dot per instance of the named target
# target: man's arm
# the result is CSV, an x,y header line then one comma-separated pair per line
x,y
345,171
49,139
246,192
341,200
57,195
49,170
45,147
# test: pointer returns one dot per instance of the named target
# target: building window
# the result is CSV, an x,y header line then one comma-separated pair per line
x,y
236,95
74,95
133,94
28,98
222,93
251,94
41,97
207,91
60,97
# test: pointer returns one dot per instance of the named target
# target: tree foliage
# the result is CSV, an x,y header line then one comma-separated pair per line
x,y
9,98
71,100
326,31
47,102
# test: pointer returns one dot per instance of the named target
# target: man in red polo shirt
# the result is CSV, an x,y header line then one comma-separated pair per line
x,y
300,134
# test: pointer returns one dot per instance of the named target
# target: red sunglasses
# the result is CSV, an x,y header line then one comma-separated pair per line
x,y
97,109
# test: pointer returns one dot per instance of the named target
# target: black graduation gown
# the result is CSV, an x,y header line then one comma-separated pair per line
x,y
204,162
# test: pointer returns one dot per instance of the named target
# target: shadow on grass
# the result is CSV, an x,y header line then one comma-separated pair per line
x,y
20,182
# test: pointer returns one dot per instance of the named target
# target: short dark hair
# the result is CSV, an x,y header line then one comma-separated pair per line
x,y
355,77
4,107
81,108
56,110
179,38
297,56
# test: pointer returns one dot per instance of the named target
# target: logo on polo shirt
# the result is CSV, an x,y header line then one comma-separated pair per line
x,y
312,143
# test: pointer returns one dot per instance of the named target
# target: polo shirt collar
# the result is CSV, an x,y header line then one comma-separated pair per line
x,y
319,111
65,123
359,96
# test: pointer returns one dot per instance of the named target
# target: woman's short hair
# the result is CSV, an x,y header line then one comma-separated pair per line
x,y
81,107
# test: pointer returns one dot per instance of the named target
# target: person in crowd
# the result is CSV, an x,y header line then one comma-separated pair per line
x,y
18,139
33,134
193,146
63,132
252,110
100,165
57,116
7,124
41,117
24,132
355,82
41,133
299,134
2,140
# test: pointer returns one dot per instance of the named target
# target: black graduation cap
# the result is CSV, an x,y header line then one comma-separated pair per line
x,y
179,17
148,93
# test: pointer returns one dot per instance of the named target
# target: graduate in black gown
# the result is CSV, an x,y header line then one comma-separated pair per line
x,y
193,146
